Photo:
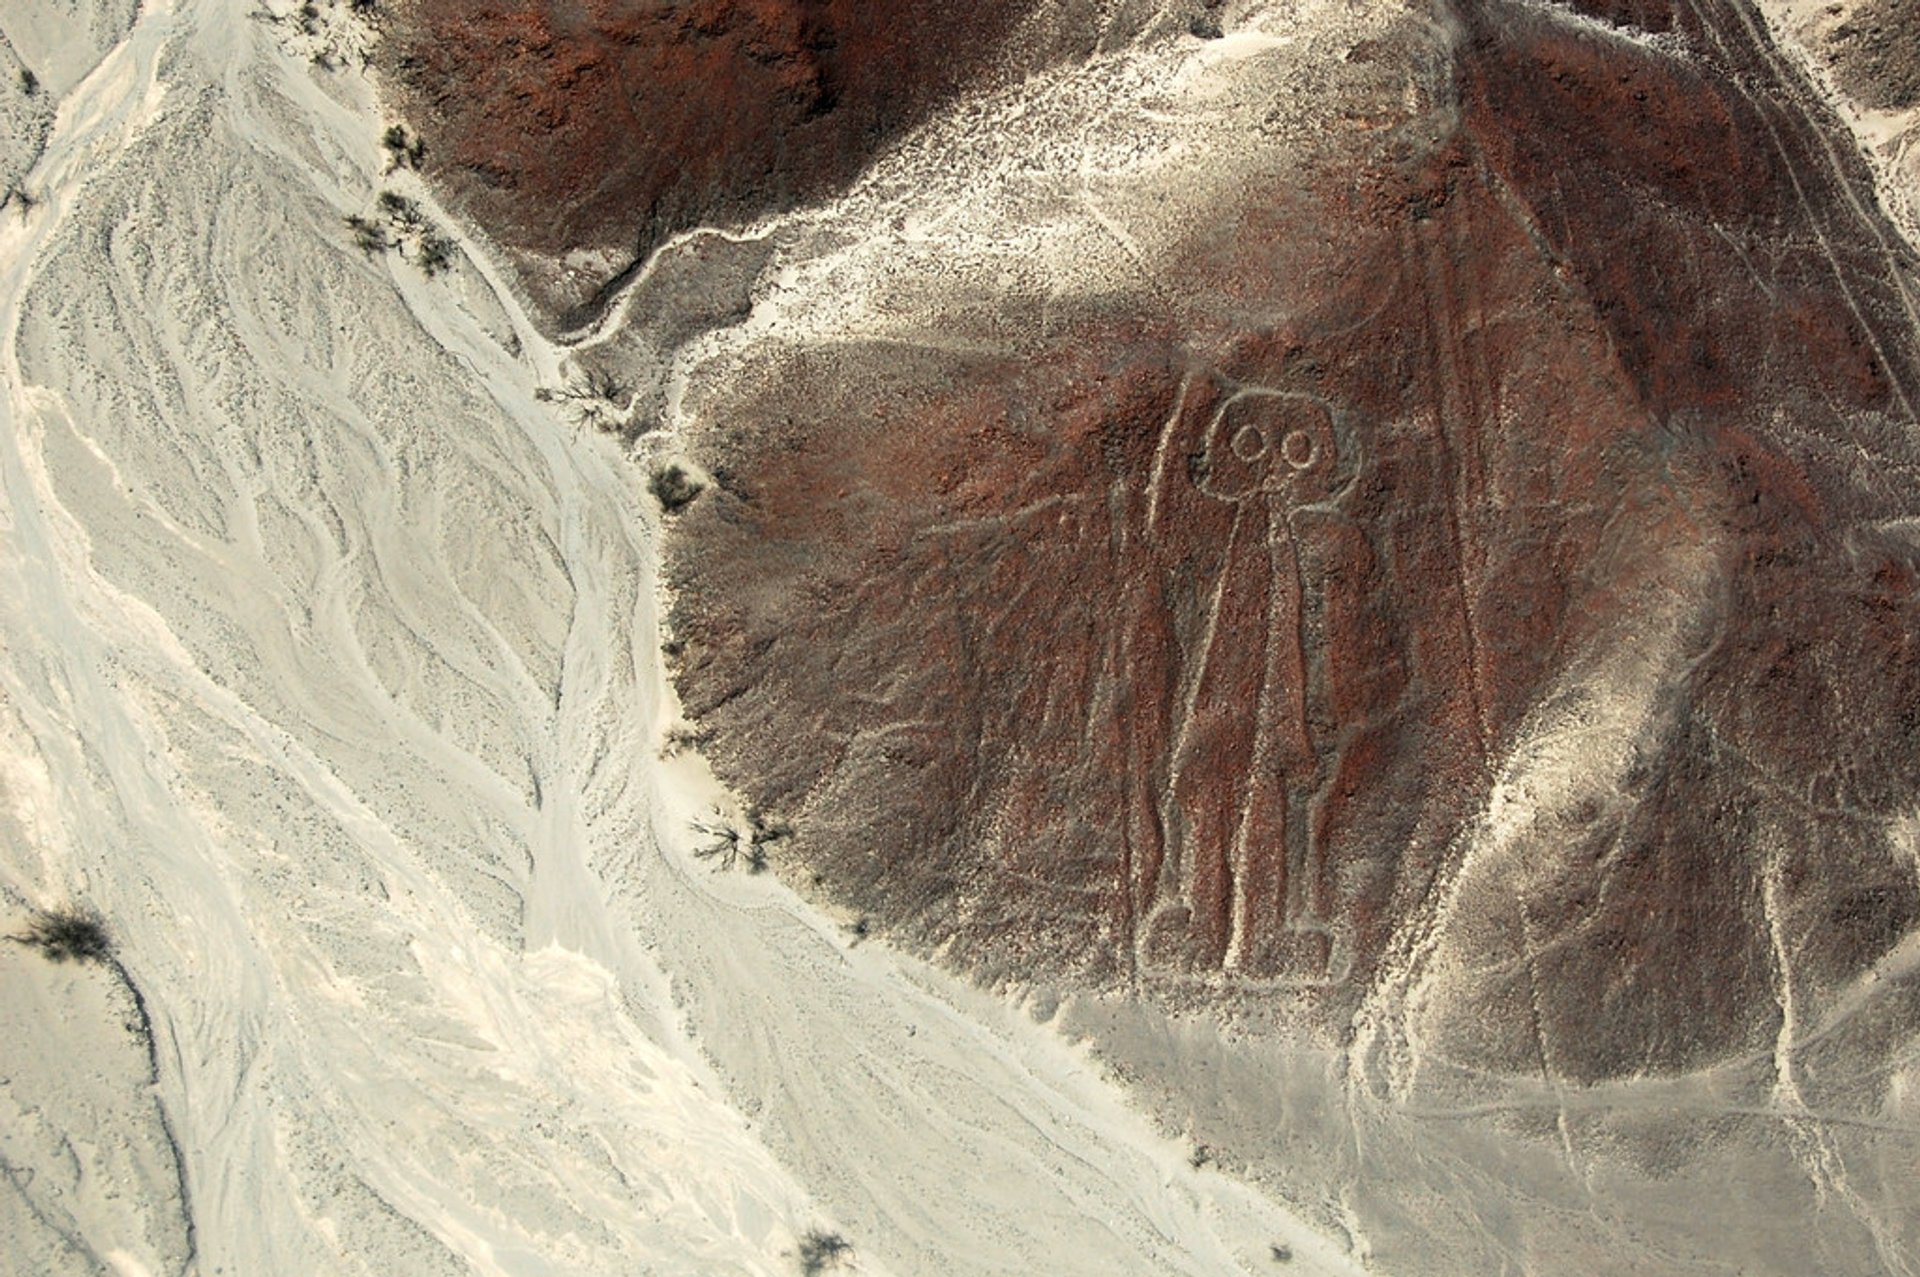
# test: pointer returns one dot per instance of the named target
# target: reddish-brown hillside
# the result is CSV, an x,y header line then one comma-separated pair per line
x,y
1485,583
606,126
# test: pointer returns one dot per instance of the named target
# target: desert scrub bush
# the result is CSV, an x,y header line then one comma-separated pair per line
x,y
604,386
67,934
368,236
821,1250
401,212
404,149
29,82
682,737
674,487
765,829
435,253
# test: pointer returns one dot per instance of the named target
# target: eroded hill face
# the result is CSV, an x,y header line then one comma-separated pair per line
x,y
1088,584
1397,519
1444,544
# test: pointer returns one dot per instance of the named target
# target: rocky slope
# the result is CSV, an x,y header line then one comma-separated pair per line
x,y
1484,523
1391,528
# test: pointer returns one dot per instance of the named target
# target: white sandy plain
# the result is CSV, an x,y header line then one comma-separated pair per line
x,y
328,676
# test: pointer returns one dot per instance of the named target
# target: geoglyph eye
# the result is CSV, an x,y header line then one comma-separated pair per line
x,y
1299,449
1250,443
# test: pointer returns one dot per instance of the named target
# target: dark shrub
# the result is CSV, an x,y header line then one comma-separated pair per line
x,y
674,488
821,1250
68,934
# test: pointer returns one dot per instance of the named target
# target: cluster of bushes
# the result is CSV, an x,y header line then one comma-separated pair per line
x,y
404,149
312,29
399,226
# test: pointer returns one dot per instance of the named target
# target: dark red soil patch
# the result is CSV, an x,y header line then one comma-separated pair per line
x,y
611,124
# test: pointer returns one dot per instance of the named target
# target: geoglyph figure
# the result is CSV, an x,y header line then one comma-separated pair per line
x,y
1271,454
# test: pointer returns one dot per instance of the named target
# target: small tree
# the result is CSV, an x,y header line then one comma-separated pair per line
x,y
600,399
726,845
68,933
821,1250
